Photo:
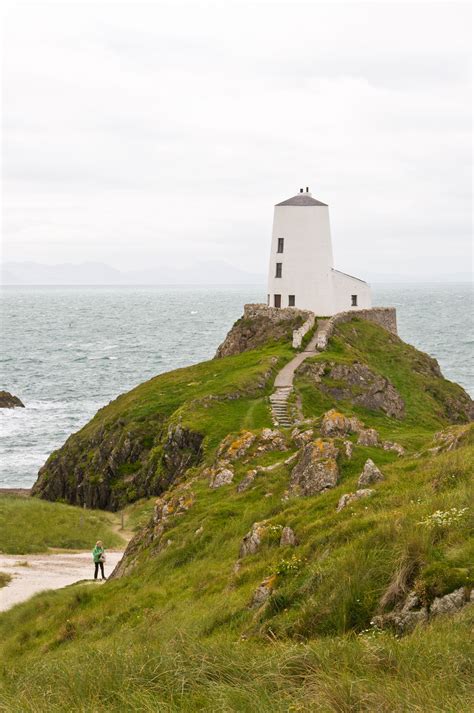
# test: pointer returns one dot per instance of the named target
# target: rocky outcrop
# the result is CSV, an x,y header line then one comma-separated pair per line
x,y
221,476
335,423
370,474
261,324
395,447
368,437
316,470
288,537
172,504
113,465
349,498
263,591
7,400
356,384
406,615
253,539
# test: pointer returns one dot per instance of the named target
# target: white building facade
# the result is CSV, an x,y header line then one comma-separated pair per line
x,y
301,272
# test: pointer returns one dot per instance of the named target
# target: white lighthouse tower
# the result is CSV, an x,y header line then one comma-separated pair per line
x,y
301,272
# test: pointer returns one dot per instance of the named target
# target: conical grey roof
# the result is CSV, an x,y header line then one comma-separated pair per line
x,y
302,199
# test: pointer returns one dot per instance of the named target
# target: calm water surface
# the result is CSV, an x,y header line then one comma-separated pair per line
x,y
68,351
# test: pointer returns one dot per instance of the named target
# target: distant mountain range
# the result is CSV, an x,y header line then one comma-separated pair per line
x,y
97,273
203,273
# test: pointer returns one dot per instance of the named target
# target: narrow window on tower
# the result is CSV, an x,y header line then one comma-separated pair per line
x,y
268,300
281,242
353,300
278,269
277,300
291,300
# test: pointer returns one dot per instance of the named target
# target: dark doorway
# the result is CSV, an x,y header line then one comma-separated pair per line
x,y
277,300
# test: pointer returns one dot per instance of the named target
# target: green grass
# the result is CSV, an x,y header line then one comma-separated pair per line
x,y
29,525
177,632
181,619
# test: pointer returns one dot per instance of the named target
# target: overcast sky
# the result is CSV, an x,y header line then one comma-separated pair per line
x,y
146,134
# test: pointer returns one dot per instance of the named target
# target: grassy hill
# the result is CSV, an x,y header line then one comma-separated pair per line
x,y
210,609
29,525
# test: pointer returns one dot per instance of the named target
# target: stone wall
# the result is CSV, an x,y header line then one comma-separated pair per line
x,y
298,334
386,317
274,314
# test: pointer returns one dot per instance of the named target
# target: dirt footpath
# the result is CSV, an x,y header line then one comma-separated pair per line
x,y
37,573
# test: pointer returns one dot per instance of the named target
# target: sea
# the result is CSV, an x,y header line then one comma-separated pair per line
x,y
67,351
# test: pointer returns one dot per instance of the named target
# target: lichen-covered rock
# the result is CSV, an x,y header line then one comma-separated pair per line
x,y
222,476
450,603
370,474
301,438
316,469
7,400
288,537
271,439
253,539
349,498
348,449
263,591
357,384
173,503
234,447
247,480
452,438
406,615
368,437
395,447
335,423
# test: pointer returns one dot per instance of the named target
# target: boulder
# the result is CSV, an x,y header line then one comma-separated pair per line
x,y
234,447
222,476
450,603
404,617
316,469
349,498
368,437
253,539
263,591
301,438
335,423
247,481
395,447
288,537
357,384
370,474
271,439
348,449
7,400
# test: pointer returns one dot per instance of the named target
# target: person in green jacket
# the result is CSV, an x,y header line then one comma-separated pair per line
x,y
98,555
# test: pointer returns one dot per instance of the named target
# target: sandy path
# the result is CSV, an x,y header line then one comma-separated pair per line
x,y
47,571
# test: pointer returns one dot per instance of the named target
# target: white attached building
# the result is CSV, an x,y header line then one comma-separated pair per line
x,y
302,270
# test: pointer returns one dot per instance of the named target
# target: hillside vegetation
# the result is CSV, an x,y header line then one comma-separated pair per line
x,y
29,525
255,585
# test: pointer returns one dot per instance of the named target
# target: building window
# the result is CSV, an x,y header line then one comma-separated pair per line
x,y
278,269
353,300
281,242
291,300
277,300
268,300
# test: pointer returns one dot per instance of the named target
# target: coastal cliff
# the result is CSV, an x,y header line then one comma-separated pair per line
x,y
145,441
